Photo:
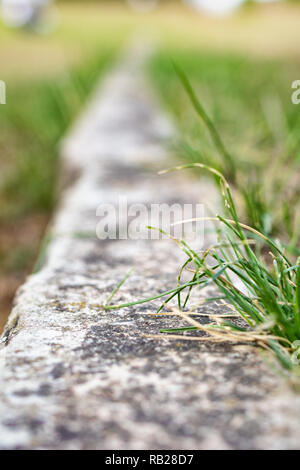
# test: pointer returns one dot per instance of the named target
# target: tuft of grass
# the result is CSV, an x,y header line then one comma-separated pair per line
x,y
268,292
268,296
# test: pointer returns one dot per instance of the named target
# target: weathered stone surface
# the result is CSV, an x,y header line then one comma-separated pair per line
x,y
75,377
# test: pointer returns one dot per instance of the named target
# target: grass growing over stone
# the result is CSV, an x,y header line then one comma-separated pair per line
x,y
268,292
267,295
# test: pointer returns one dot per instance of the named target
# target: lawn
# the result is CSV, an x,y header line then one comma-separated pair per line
x,y
242,68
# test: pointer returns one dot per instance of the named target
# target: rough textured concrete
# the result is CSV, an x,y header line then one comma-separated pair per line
x,y
75,377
